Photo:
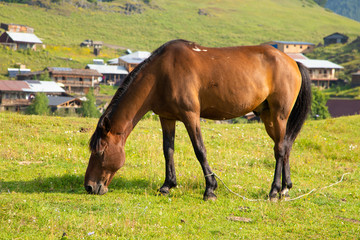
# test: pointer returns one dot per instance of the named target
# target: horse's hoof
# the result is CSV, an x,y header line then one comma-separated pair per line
x,y
164,191
274,197
210,197
284,195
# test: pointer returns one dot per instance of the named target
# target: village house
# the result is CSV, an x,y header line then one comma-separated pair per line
x,y
17,95
66,103
74,81
323,73
355,79
97,45
292,47
335,38
19,37
111,74
131,60
13,72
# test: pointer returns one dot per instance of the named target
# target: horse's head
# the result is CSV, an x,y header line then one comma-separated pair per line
x,y
107,156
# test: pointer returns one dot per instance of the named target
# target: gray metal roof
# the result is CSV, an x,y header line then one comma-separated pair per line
x,y
24,37
43,86
15,71
291,42
312,63
108,69
57,100
132,58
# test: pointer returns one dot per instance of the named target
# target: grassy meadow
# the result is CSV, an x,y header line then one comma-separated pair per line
x,y
43,161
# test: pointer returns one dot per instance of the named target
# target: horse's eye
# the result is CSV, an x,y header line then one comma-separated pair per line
x,y
100,154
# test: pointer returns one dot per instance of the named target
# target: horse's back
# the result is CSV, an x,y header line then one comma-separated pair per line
x,y
225,82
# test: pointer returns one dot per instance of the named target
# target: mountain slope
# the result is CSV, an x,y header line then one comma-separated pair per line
x,y
228,22
213,23
348,8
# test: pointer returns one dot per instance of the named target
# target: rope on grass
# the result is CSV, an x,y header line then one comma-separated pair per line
x,y
244,198
342,177
258,200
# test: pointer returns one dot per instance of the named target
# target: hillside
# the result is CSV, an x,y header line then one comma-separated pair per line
x,y
347,55
211,23
227,23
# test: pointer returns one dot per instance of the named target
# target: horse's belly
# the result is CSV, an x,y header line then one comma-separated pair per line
x,y
222,113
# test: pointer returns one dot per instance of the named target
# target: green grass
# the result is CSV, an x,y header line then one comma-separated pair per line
x,y
343,92
108,90
43,161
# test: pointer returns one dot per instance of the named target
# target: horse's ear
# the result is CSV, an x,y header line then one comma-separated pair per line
x,y
106,125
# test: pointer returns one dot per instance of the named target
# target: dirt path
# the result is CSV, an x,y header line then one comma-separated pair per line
x,y
113,46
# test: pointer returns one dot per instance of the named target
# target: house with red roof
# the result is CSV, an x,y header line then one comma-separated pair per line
x,y
17,95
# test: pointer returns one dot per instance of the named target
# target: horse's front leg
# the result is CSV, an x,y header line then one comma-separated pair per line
x,y
168,129
192,124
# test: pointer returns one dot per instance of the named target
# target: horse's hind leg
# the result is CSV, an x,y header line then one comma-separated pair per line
x,y
192,124
168,129
275,125
286,180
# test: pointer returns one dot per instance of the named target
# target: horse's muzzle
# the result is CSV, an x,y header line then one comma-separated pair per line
x,y
97,189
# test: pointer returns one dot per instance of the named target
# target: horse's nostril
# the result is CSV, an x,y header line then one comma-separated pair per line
x,y
89,188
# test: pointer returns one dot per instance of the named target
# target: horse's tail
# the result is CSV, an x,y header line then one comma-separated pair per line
x,y
302,106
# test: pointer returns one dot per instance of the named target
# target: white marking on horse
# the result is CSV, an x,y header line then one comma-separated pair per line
x,y
196,49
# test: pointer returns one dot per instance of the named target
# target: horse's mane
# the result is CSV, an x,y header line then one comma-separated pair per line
x,y
94,143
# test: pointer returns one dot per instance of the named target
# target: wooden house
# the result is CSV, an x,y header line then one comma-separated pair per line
x,y
292,47
63,102
335,38
17,95
131,60
74,81
13,72
111,74
355,79
18,36
323,73
16,41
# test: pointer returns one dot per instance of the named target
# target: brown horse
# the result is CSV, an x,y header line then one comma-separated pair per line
x,y
184,81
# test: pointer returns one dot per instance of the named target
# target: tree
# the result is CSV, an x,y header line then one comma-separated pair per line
x,y
88,108
40,105
319,110
45,76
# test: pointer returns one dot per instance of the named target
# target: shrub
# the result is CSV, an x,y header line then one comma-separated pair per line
x,y
40,105
319,110
88,108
